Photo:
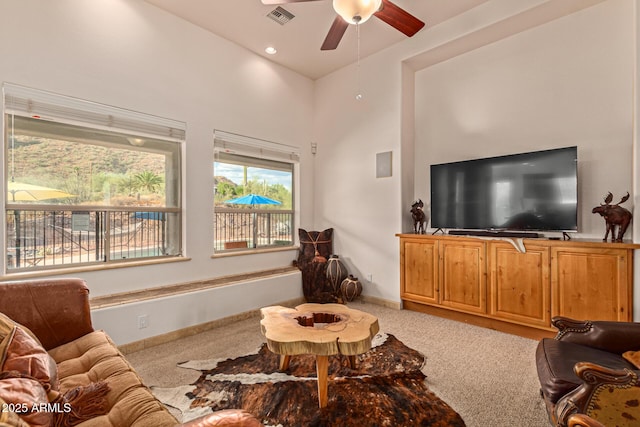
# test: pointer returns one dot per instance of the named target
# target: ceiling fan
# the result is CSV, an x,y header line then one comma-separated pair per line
x,y
357,12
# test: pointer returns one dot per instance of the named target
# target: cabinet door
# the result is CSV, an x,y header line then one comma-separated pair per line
x,y
463,275
593,284
520,284
418,270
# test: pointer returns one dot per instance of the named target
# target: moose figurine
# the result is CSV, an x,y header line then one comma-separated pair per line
x,y
419,217
614,215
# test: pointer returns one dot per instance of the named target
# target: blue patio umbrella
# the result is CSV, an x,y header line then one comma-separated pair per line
x,y
253,199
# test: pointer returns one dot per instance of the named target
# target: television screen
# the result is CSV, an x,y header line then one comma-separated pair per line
x,y
535,191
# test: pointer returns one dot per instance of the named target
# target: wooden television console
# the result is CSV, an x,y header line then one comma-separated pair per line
x,y
491,282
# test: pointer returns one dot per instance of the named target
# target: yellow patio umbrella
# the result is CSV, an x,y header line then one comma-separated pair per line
x,y
20,192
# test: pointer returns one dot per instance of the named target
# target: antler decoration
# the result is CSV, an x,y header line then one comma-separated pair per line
x,y
624,199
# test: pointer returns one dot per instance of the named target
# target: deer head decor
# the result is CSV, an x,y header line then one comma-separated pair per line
x,y
614,215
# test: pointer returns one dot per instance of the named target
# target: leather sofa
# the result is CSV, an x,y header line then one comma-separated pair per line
x,y
51,357
585,380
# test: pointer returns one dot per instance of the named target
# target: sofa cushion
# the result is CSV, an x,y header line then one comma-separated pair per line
x,y
22,353
94,358
7,324
613,405
633,356
7,329
555,361
28,376
22,395
9,418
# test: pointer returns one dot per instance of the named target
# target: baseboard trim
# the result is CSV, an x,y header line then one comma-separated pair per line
x,y
396,305
197,329
485,322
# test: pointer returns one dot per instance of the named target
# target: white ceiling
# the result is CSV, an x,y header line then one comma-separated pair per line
x,y
298,42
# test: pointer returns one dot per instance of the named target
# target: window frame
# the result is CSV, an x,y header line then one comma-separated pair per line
x,y
71,114
261,153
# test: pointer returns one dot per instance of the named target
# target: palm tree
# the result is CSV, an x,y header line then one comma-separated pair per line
x,y
148,180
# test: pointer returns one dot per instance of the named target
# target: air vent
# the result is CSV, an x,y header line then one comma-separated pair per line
x,y
280,15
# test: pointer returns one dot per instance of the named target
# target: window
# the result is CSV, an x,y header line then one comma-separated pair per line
x,y
253,193
87,183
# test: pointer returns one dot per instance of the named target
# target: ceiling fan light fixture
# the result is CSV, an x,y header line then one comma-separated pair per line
x,y
356,11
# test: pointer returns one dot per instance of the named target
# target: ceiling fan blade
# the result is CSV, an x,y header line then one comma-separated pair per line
x,y
399,18
274,2
335,34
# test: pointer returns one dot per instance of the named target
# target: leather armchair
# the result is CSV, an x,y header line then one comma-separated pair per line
x,y
584,379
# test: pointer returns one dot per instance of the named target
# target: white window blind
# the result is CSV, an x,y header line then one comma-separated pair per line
x,y
230,143
34,103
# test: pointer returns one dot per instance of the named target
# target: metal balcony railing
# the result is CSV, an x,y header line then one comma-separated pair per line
x,y
47,237
237,228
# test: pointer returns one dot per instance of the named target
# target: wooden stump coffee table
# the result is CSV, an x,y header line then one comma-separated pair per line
x,y
319,329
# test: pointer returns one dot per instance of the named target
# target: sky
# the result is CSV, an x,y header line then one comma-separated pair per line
x,y
234,173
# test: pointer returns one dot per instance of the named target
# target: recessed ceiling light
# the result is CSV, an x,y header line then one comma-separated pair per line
x,y
271,50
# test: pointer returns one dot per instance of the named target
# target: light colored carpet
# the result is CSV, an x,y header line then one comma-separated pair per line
x,y
488,377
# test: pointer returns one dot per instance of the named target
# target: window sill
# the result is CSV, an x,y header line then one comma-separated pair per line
x,y
252,251
112,300
93,267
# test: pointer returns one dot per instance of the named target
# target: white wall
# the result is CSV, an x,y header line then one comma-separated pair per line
x,y
505,77
130,54
192,308
364,211
566,83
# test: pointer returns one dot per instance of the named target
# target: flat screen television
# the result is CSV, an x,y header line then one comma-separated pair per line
x,y
535,191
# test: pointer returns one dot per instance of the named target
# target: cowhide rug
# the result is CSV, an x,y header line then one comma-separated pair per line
x,y
387,388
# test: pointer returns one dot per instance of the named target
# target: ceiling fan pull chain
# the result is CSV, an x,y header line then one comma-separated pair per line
x,y
359,92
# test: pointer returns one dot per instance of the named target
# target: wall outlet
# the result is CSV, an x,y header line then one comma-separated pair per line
x,y
143,321
369,277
